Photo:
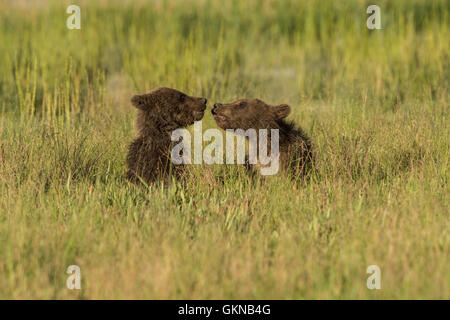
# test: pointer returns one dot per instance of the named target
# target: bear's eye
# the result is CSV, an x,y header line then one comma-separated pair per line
x,y
242,104
182,97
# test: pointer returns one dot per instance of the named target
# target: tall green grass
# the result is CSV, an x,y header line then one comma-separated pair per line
x,y
374,102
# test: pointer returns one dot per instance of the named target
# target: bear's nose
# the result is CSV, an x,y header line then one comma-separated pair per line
x,y
204,100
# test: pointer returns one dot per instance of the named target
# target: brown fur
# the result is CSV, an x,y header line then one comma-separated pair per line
x,y
160,112
294,145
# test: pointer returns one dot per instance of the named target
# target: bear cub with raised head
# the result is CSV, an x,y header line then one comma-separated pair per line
x,y
295,150
160,112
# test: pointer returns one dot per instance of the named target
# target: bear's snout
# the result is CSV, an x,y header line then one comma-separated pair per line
x,y
216,105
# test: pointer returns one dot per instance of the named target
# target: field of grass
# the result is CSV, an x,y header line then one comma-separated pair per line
x,y
375,104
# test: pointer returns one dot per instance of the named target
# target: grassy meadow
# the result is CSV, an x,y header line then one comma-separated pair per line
x,y
375,103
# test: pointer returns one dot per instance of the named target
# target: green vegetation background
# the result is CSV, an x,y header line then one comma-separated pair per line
x,y
374,102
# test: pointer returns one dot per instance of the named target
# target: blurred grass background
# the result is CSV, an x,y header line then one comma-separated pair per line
x,y
375,103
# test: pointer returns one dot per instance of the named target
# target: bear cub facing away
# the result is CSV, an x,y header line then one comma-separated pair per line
x,y
295,151
160,112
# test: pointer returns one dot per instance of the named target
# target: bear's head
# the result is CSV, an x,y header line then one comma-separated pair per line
x,y
168,109
248,113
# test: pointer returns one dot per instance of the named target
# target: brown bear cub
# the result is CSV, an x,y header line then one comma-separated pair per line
x,y
160,112
295,151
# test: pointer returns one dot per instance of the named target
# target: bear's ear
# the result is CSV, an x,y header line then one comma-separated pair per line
x,y
281,111
138,101
143,101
